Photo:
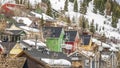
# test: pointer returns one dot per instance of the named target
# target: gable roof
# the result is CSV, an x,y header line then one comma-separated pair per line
x,y
16,24
84,53
86,39
52,31
8,45
70,35
13,27
14,32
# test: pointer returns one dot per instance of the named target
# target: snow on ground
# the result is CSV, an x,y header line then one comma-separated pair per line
x,y
99,19
57,4
45,17
29,29
26,20
56,61
33,2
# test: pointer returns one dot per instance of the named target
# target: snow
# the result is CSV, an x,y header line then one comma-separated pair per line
x,y
98,19
99,43
104,57
112,46
87,53
33,2
57,4
26,20
6,1
32,43
29,29
1,47
56,61
45,17
113,49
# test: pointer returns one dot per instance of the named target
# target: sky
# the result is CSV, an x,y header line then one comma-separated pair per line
x,y
118,1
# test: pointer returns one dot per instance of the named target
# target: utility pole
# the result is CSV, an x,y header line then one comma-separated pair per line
x,y
100,50
36,38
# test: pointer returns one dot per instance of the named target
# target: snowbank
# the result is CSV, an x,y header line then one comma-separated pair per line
x,y
56,61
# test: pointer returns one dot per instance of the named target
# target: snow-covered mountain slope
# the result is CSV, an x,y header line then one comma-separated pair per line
x,y
109,31
98,19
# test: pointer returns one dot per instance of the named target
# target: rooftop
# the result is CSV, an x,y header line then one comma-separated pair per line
x,y
85,39
70,35
52,31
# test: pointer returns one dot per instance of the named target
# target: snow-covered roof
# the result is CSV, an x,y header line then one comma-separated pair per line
x,y
113,49
87,53
26,20
105,57
45,17
1,46
29,29
104,45
56,61
99,43
32,43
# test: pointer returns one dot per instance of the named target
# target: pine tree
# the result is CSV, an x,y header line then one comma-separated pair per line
x,y
103,28
71,1
66,6
87,23
108,7
83,22
73,20
114,21
75,6
42,21
83,8
49,10
68,20
96,26
100,5
80,21
92,28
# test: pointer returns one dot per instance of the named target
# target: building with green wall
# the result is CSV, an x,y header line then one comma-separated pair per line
x,y
54,38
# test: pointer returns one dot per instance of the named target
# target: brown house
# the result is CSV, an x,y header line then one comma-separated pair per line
x,y
32,62
37,59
